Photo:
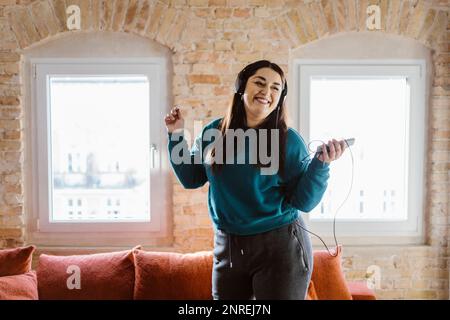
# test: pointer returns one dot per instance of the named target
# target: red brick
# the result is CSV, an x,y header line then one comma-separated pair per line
x,y
201,78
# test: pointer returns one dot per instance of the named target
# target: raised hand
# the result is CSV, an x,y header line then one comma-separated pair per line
x,y
174,120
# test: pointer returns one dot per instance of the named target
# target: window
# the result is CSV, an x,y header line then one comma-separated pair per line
x,y
96,132
381,104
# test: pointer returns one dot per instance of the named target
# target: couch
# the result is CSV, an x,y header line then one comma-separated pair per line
x,y
138,274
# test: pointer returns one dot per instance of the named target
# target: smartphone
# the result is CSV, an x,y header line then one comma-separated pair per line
x,y
349,142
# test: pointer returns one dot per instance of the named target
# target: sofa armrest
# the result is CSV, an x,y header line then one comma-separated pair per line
x,y
360,291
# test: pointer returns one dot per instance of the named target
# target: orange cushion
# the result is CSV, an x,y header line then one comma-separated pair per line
x,y
329,280
102,276
173,276
311,295
16,261
19,287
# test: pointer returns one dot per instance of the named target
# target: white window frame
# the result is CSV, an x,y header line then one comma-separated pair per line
x,y
354,232
41,68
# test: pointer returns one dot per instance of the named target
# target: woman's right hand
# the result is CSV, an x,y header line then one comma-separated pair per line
x,y
174,120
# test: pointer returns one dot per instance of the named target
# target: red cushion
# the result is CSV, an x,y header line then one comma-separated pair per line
x,y
19,287
102,276
329,280
16,261
173,276
360,291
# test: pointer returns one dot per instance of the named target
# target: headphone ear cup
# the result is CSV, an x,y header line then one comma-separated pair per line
x,y
283,95
285,90
237,84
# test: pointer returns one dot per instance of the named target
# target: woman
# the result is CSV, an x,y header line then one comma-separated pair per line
x,y
260,248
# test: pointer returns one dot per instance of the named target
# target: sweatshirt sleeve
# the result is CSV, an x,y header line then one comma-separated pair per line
x,y
186,164
307,179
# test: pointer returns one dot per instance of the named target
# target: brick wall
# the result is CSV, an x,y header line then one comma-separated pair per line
x,y
211,41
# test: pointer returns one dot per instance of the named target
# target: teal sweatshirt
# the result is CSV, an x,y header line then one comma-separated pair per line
x,y
243,201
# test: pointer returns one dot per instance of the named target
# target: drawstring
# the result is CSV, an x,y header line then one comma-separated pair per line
x,y
230,243
229,249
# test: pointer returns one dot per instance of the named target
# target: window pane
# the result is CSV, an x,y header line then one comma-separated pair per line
x,y
100,142
375,111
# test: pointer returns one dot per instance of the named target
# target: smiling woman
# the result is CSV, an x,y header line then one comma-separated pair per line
x,y
260,247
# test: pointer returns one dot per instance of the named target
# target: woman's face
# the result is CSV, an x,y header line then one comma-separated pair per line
x,y
261,95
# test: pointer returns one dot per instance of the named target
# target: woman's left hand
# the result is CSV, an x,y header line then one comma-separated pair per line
x,y
337,148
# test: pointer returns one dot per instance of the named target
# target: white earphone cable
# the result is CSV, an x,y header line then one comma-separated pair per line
x,y
335,214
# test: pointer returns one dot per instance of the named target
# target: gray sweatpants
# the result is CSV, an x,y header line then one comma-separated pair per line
x,y
271,265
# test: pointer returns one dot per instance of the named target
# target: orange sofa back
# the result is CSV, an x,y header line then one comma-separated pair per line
x,y
136,274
